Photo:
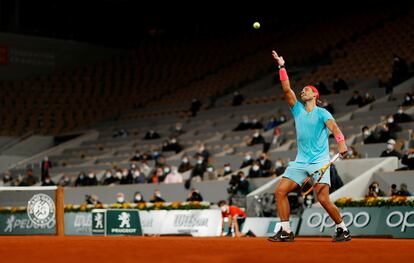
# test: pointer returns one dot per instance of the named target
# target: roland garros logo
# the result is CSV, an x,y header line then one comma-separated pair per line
x,y
41,209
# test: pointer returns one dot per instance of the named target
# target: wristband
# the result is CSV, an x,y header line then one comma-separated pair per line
x,y
340,137
283,74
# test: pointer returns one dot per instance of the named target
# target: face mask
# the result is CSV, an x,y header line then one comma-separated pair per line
x,y
256,135
120,199
248,157
90,175
400,111
390,120
158,195
367,133
185,160
166,170
223,209
81,176
407,98
210,169
278,164
108,175
125,173
173,141
119,175
199,161
282,119
227,169
136,174
256,168
390,147
254,121
138,198
350,153
47,181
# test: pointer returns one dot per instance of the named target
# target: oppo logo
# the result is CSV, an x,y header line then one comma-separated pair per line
x,y
397,218
322,221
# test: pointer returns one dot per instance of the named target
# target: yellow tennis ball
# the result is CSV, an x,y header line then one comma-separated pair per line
x,y
256,25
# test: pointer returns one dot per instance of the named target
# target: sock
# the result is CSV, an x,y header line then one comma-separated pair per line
x,y
341,225
286,226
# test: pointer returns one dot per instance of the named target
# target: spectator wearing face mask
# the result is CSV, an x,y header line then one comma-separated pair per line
x,y
244,125
151,135
226,170
185,165
7,179
339,84
408,160
256,124
367,99
173,177
157,176
201,150
390,151
91,179
194,196
257,138
255,170
401,116
211,172
408,99
403,190
374,190
272,123
177,130
392,125
352,153
127,177
368,136
120,198
356,99
265,165
138,177
247,161
157,197
81,179
64,181
48,181
199,169
137,156
280,167
172,145
237,99
138,198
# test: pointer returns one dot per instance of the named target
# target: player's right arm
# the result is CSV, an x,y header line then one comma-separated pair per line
x,y
290,95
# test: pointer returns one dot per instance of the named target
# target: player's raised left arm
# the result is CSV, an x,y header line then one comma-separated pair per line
x,y
339,137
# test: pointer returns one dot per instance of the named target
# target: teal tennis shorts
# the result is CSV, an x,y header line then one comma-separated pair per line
x,y
298,172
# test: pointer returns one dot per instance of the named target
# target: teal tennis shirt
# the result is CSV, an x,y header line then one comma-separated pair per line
x,y
311,134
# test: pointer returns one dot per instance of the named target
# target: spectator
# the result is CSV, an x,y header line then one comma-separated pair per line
x,y
393,190
408,99
177,130
30,179
91,180
226,170
339,84
280,167
399,70
265,165
120,198
138,198
201,150
256,124
151,135
408,159
195,107
327,106
257,138
367,99
255,171
108,178
81,179
238,184
237,99
92,200
390,151
352,153
199,169
194,196
173,177
157,197
374,190
272,123
401,116
138,177
157,176
356,99
172,145
322,88
46,165
19,181
137,156
7,179
185,165
120,133
403,190
248,160
48,181
392,125
244,125
236,218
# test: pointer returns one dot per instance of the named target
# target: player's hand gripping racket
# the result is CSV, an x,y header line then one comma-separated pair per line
x,y
310,182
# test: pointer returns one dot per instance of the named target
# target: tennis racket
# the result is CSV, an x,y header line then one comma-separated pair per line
x,y
310,182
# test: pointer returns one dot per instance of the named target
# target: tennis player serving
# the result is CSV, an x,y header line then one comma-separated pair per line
x,y
312,124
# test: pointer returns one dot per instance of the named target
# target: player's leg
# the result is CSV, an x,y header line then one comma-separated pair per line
x,y
284,187
342,233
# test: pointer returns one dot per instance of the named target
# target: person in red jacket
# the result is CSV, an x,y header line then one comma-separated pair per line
x,y
236,218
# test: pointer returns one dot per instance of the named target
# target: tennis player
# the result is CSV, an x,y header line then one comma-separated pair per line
x,y
312,124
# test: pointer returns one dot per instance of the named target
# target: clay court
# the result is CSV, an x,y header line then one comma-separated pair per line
x,y
187,249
